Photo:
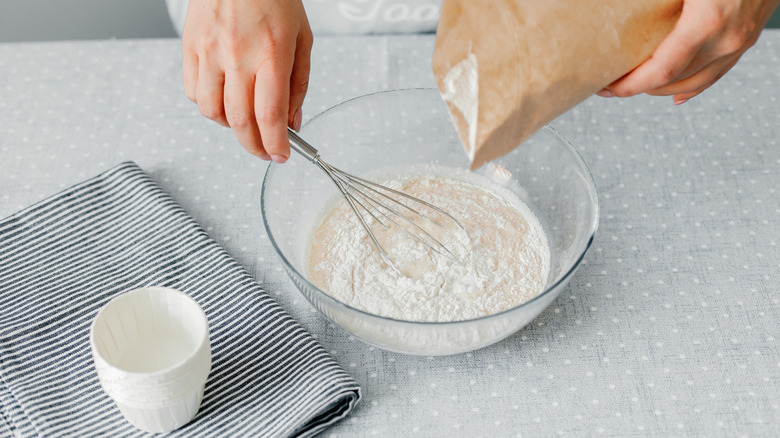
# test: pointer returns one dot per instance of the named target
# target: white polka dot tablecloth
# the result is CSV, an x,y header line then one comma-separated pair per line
x,y
671,327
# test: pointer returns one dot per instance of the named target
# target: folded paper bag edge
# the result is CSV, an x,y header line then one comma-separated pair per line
x,y
534,61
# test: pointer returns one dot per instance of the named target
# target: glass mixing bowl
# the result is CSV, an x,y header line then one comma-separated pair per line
x,y
411,127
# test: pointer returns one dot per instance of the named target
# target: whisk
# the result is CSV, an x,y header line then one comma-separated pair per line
x,y
378,201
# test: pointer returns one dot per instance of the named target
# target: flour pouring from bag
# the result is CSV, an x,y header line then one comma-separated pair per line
x,y
506,68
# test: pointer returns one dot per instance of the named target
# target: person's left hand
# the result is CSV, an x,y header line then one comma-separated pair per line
x,y
708,39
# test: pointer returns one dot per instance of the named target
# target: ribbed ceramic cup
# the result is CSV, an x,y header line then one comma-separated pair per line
x,y
152,356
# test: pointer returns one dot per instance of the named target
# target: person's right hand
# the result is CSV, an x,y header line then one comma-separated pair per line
x,y
246,65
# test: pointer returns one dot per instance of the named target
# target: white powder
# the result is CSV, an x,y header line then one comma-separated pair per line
x,y
461,89
504,256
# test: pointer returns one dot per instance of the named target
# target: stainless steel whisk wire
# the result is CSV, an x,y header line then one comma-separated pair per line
x,y
368,196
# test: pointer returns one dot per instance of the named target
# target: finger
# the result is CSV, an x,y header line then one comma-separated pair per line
x,y
604,92
189,72
706,56
299,79
698,80
272,100
669,60
239,101
209,93
681,98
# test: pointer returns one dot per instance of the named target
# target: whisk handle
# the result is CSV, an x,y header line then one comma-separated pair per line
x,y
300,146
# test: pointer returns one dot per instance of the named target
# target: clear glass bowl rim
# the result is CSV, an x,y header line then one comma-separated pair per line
x,y
564,278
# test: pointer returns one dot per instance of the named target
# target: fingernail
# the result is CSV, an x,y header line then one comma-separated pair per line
x,y
279,158
680,102
605,93
297,119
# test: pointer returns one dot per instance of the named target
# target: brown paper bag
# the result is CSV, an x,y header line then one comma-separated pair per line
x,y
508,67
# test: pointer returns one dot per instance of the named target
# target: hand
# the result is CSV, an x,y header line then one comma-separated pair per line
x,y
708,39
246,65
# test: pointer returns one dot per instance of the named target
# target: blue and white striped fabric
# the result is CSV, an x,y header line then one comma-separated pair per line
x,y
63,258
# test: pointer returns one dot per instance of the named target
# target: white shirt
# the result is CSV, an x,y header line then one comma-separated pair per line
x,y
352,16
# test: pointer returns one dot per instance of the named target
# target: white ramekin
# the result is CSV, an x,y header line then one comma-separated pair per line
x,y
152,355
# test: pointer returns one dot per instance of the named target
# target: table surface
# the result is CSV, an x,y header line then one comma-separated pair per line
x,y
669,327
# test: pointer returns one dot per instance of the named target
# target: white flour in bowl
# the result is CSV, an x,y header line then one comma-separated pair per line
x,y
504,255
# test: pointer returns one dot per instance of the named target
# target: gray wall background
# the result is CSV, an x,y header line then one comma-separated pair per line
x,y
42,20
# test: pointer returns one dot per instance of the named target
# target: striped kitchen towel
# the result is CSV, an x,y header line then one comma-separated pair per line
x,y
63,258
